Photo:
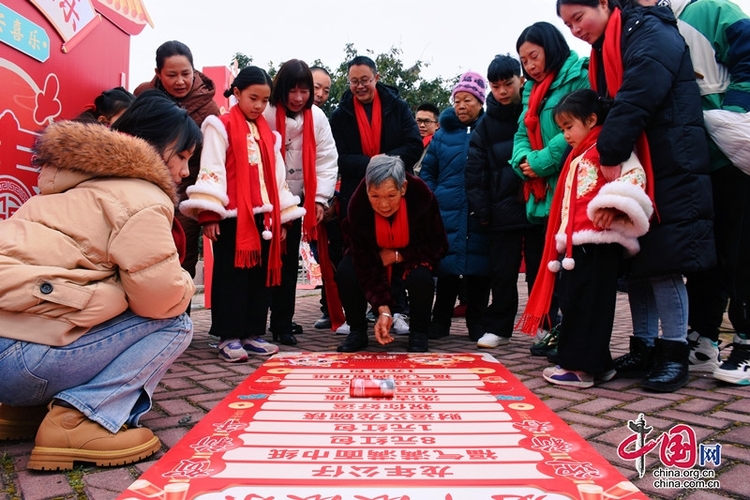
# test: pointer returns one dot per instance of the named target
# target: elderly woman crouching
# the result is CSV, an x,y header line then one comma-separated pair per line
x,y
389,231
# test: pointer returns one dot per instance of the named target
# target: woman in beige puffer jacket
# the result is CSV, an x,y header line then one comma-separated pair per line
x,y
92,295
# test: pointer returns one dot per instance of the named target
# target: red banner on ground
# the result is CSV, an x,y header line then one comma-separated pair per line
x,y
458,427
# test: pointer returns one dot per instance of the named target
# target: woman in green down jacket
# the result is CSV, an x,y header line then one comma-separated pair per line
x,y
552,71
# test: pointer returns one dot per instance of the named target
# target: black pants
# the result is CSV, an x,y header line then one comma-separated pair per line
x,y
419,284
587,296
709,290
506,251
283,297
477,297
239,296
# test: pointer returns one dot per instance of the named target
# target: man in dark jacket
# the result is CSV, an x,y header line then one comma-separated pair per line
x,y
493,191
361,133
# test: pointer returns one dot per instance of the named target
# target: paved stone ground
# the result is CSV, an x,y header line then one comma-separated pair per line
x,y
717,412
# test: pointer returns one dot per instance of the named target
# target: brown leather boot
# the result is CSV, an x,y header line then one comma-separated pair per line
x,y
67,436
20,422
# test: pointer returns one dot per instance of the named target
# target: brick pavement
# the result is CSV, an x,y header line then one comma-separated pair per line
x,y
717,412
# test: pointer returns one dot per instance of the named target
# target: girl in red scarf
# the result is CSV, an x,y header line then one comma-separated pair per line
x,y
591,221
310,157
242,202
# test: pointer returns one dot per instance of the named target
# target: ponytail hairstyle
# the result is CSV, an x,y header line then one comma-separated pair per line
x,y
581,104
250,75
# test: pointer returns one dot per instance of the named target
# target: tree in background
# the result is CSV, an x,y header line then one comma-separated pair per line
x,y
243,61
411,86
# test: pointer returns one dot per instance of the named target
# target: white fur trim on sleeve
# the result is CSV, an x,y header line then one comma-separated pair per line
x,y
193,207
629,199
292,213
215,121
213,190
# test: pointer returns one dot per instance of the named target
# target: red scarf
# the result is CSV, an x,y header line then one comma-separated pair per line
x,y
248,249
333,301
309,173
536,185
180,239
369,133
393,233
537,307
611,55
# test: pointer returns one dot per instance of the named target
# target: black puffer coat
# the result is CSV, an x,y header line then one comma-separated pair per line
x,y
659,95
399,137
493,188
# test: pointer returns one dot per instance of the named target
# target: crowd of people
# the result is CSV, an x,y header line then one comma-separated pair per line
x,y
592,173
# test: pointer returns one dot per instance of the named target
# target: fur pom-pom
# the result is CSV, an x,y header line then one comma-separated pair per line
x,y
554,266
267,235
568,263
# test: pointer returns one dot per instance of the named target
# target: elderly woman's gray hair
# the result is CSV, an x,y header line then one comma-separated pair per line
x,y
384,167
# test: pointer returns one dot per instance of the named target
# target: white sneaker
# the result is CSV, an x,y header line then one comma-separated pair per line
x,y
490,340
231,351
257,345
400,326
704,353
343,329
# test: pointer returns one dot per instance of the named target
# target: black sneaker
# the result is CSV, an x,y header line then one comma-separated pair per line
x,y
547,344
296,329
324,323
736,369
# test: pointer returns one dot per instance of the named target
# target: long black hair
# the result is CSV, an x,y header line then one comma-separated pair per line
x,y
556,49
161,122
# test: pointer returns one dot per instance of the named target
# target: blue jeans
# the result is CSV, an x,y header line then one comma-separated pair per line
x,y
109,374
659,298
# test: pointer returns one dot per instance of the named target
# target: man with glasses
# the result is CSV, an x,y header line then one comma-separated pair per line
x,y
371,119
428,122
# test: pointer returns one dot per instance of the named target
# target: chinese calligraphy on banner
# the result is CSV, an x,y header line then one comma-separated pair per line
x,y
459,427
69,17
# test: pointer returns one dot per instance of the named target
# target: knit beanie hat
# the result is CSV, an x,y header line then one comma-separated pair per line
x,y
473,83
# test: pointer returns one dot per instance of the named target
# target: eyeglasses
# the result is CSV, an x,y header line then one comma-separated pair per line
x,y
425,121
364,82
